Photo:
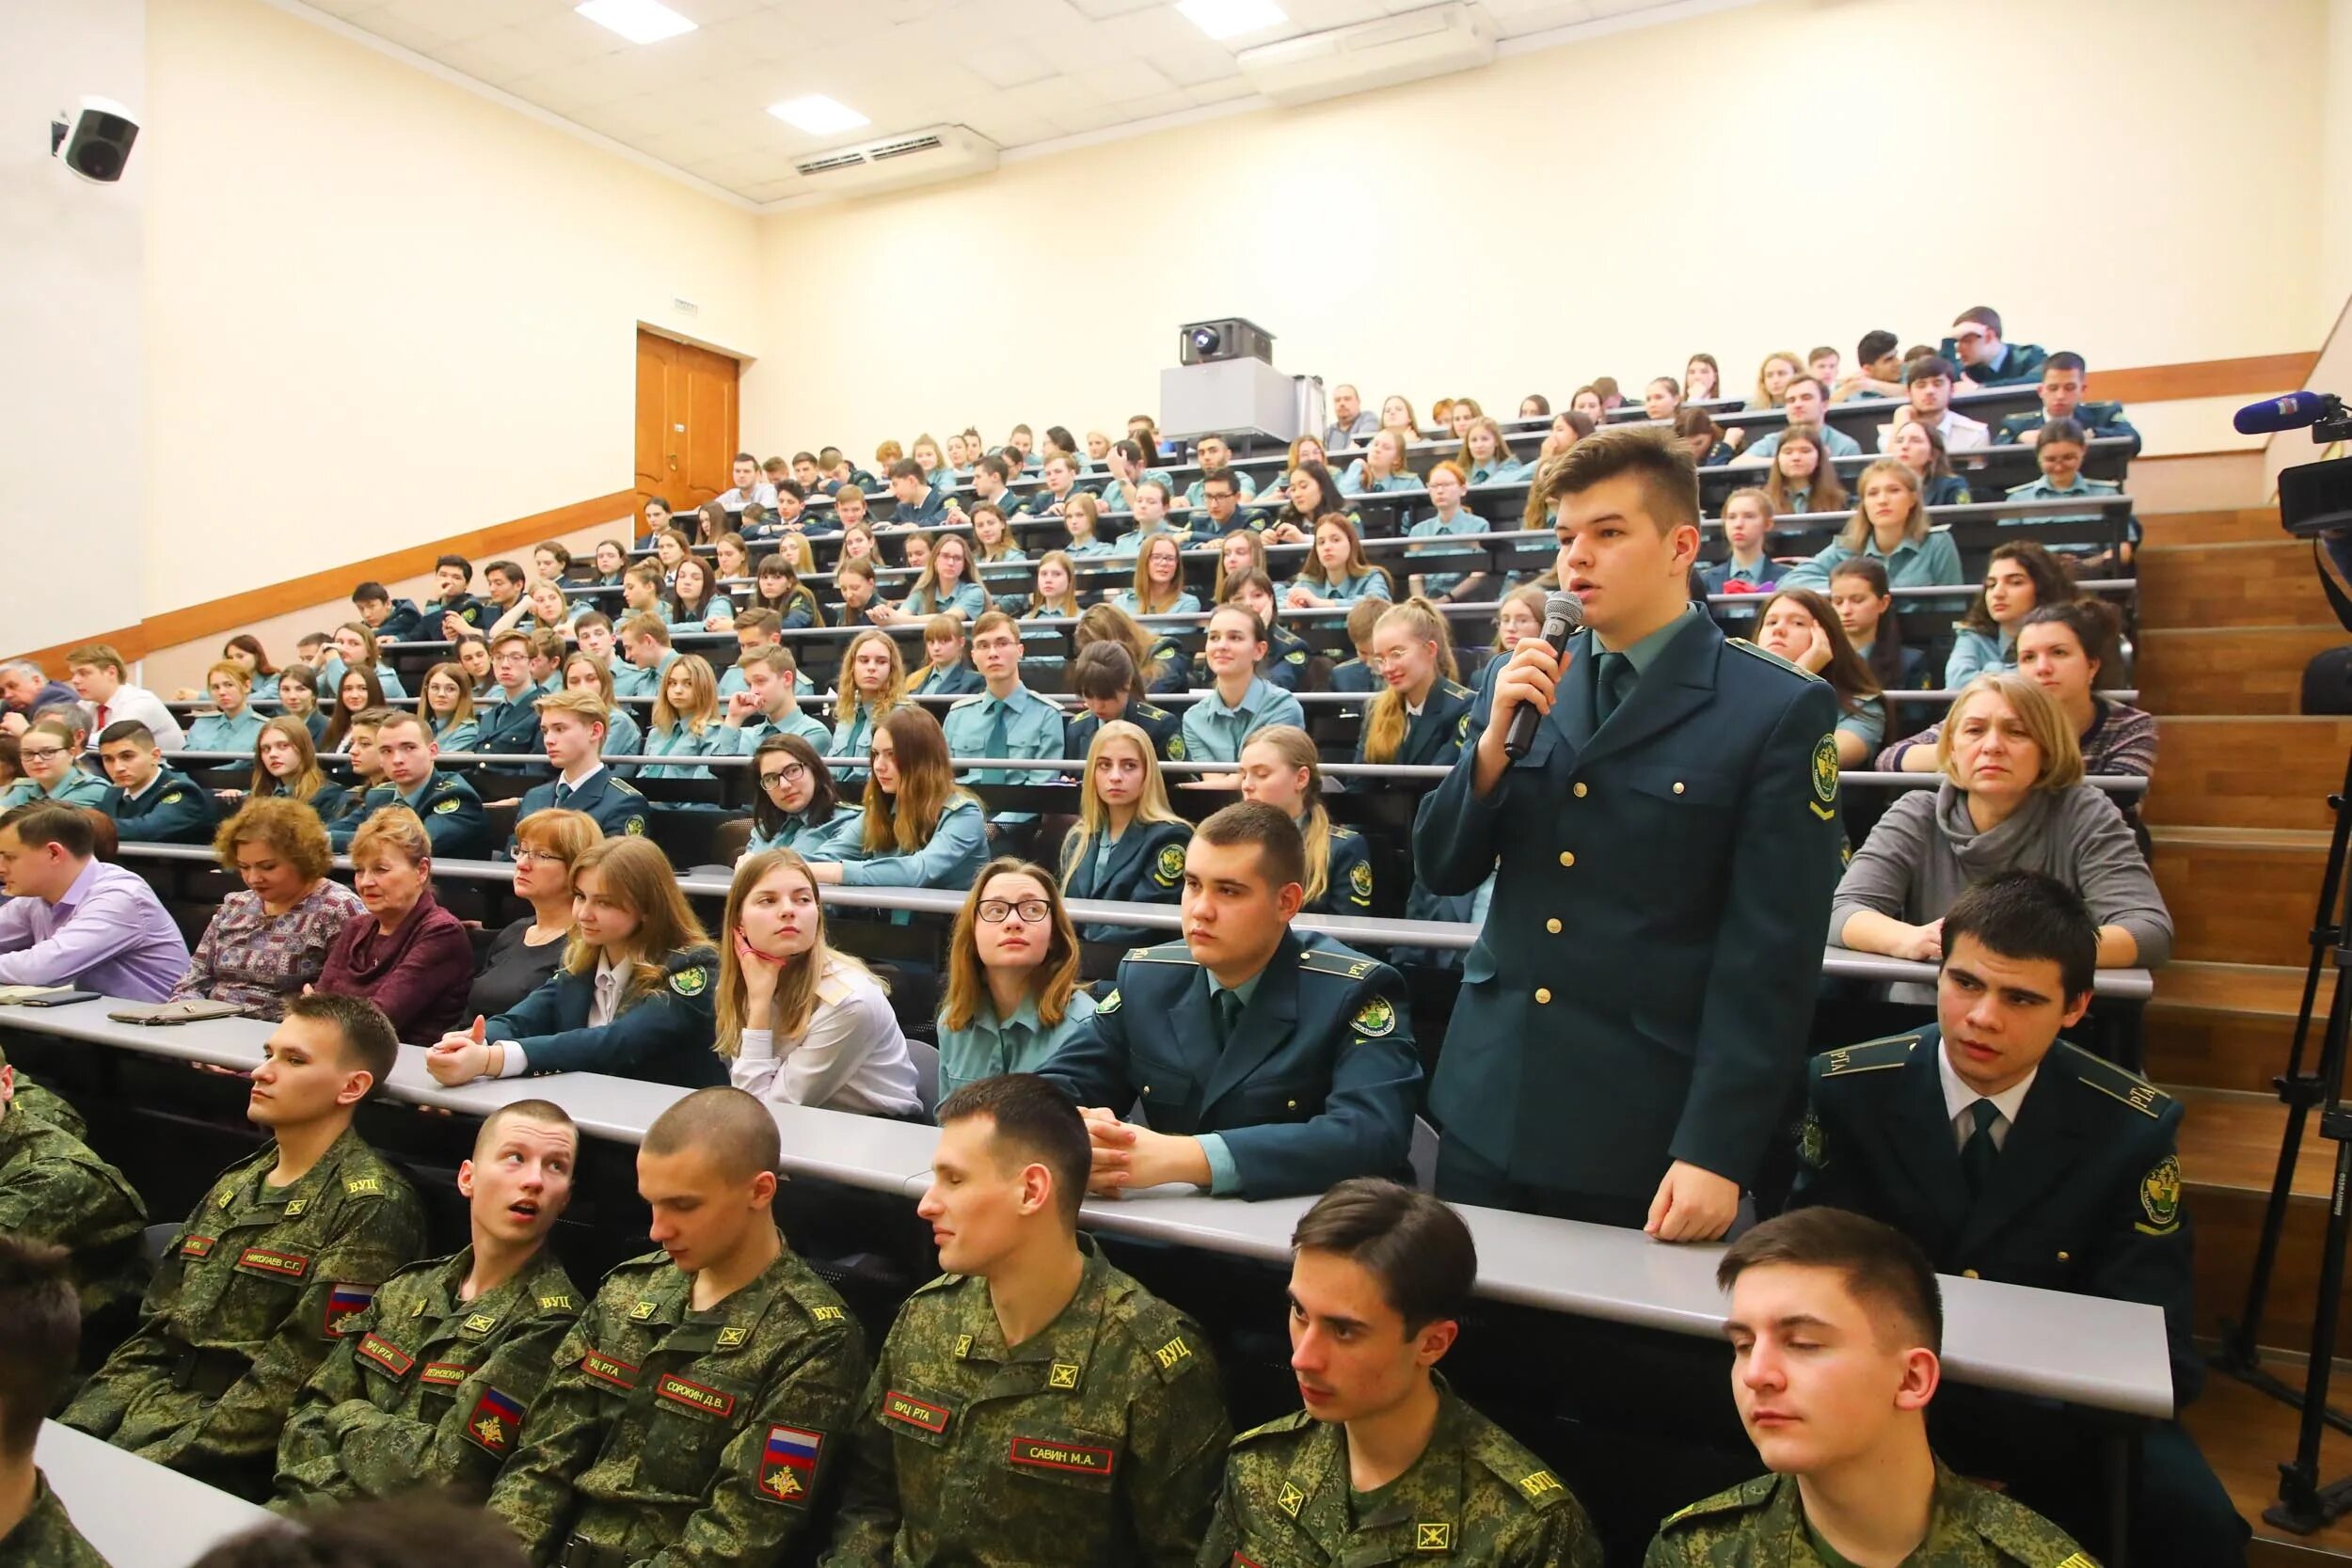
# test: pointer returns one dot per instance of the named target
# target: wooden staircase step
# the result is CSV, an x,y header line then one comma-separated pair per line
x,y
2250,771
2267,582
2239,894
2227,1026
2235,670
2228,1153
2211,527
2245,1435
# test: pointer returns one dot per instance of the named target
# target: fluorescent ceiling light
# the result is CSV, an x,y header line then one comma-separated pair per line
x,y
1225,18
818,115
638,20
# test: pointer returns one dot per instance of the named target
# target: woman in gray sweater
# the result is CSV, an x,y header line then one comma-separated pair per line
x,y
2013,799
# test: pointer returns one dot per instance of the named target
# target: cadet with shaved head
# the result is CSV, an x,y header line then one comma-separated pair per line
x,y
689,1412
429,1384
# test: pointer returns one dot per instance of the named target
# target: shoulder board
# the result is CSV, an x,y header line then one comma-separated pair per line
x,y
1342,835
1165,952
1869,1057
622,785
1770,657
942,1284
1526,1477
1940,527
1346,965
371,1185
964,702
2116,1082
833,990
1148,711
1455,688
1748,1494
1297,1420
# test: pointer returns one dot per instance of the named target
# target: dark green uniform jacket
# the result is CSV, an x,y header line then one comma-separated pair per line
x,y
1761,1524
45,1537
453,819
1165,729
1473,1497
174,810
681,1439
426,1389
1432,738
253,1292
1095,1443
613,801
1145,866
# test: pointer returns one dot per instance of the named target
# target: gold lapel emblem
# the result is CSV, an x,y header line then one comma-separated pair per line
x,y
1063,1374
1291,1499
1430,1537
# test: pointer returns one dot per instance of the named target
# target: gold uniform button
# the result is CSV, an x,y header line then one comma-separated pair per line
x,y
1677,787
2066,1258
1290,1105
1552,925
1147,1091
1580,789
1568,857
1542,994
1969,1273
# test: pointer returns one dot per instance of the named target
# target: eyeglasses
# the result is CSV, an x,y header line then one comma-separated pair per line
x,y
781,778
1033,911
43,754
519,852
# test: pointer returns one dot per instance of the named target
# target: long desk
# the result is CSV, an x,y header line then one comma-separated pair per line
x,y
2103,1354
137,1514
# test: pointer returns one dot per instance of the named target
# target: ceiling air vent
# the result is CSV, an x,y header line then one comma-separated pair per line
x,y
1378,53
894,162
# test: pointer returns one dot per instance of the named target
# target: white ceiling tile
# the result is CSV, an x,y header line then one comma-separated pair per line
x,y
1074,117
1101,9
1124,81
1222,91
348,9
394,24
1009,67
1542,16
1011,131
1021,19
1195,64
1172,101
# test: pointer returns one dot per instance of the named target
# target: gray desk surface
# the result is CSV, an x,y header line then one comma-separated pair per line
x,y
2104,1354
136,1513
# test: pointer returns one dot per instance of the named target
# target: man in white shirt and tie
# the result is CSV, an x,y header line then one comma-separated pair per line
x,y
101,680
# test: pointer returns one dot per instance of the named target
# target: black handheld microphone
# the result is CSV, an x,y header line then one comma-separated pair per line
x,y
1563,614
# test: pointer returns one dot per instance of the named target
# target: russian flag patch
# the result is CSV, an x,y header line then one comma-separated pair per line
x,y
787,1465
344,1303
495,1423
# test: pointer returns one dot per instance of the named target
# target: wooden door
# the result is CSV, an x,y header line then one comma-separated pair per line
x,y
686,418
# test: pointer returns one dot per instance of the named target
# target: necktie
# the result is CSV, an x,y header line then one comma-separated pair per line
x,y
102,711
997,745
1227,1016
603,1011
563,792
1614,676
1977,1155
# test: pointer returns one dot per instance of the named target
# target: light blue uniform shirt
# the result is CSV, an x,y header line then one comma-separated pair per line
x,y
1501,471
77,788
968,599
1931,563
1355,482
1974,654
1215,733
957,851
742,741
1869,724
799,834
1032,728
718,609
1130,544
852,737
1372,585
1078,550
1442,528
623,734
679,741
1224,1176
987,1047
1126,599
1837,441
331,676
461,737
629,680
734,681
2040,488
218,732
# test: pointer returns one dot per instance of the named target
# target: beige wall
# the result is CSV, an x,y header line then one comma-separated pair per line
x,y
382,309
1562,222
2332,189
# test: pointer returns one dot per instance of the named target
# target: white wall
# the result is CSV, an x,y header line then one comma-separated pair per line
x,y
71,404
1559,221
383,309
2332,190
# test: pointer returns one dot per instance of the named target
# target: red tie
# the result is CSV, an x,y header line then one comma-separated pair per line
x,y
101,716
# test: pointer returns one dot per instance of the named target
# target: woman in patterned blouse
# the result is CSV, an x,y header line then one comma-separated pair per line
x,y
270,941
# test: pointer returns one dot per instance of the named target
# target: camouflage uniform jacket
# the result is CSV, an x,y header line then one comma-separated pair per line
x,y
426,1389
1761,1524
1475,1496
674,1437
46,1538
53,1189
253,1291
1097,1440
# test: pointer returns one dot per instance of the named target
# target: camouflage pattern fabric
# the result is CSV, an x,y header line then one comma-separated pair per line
x,y
1761,1524
55,1189
46,1538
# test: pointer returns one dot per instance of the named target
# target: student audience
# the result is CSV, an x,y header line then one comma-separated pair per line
x,y
1240,702
2019,578
47,753
1128,843
1801,626
270,941
2069,650
151,803
916,826
1891,527
233,726
1280,766
102,680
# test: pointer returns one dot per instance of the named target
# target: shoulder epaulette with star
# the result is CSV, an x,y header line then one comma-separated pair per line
x,y
1316,960
1297,1421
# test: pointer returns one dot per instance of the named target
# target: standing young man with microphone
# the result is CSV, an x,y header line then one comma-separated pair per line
x,y
1633,1017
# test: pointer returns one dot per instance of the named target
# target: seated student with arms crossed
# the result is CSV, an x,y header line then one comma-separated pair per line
x,y
916,827
1836,1330
272,1266
976,1468
268,942
1386,1461
1282,768
801,1022
2010,1154
151,803
1128,844
1269,1062
873,684
402,952
354,648
685,720
41,1333
1012,997
632,997
428,1385
1336,573
725,1315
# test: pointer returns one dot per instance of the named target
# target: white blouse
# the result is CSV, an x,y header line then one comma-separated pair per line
x,y
851,1057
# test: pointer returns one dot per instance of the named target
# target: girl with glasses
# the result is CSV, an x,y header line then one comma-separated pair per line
x,y
1013,996
798,806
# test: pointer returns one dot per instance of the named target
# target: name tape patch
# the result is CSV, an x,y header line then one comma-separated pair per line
x,y
914,1412
609,1370
1043,1454
693,1396
374,1347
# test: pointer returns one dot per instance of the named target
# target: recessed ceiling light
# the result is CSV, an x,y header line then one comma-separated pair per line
x,y
818,115
638,20
1225,18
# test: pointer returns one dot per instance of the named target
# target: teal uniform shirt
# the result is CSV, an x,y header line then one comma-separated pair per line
x,y
1869,723
331,676
2098,421
1128,544
1019,725
742,741
1975,653
1372,585
630,680
988,1046
1143,866
804,834
622,735
615,804
1125,600
957,851
1316,1083
173,809
1444,528
77,788
2042,489
1356,482
718,609
462,736
968,599
679,740
1215,733
1840,444
852,737
1930,563
1081,550
1501,471
1647,970
454,819
220,732
734,681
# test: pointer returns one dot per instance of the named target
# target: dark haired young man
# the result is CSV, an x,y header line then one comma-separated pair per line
x,y
40,1327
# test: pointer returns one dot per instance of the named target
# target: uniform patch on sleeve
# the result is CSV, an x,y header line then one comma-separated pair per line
x,y
1297,656
1810,1141
447,806
1110,1004
1170,868
1175,748
496,1421
344,1303
2160,1196
788,1465
360,1186
198,1247
1375,1018
173,799
1433,1535
634,828
1360,880
828,1314
1824,777
374,1347
555,1304
1172,1355
692,982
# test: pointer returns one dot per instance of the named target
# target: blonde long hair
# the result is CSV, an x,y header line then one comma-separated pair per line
x,y
703,694
902,823
1855,536
637,875
892,696
1094,818
1296,749
1051,983
796,989
1385,725
1068,604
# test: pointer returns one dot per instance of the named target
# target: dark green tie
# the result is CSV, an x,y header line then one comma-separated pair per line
x,y
1228,1005
1977,1155
996,739
1614,676
563,792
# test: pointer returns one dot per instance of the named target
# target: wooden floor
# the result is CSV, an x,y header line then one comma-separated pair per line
x,y
2246,1434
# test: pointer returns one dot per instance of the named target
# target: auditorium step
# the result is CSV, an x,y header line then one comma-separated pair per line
x,y
2229,1152
2263,582
2241,895
2211,527
2245,1434
2247,771
2237,669
2227,1026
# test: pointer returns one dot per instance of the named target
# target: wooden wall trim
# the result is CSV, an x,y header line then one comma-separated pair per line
x,y
217,616
2202,379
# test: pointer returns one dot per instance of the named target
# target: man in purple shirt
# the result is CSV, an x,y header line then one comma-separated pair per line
x,y
74,921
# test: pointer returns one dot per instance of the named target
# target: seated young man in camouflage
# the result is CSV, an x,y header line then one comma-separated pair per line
x,y
1387,1464
1835,1327
429,1384
1035,1407
53,1188
688,1416
40,1324
266,1275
